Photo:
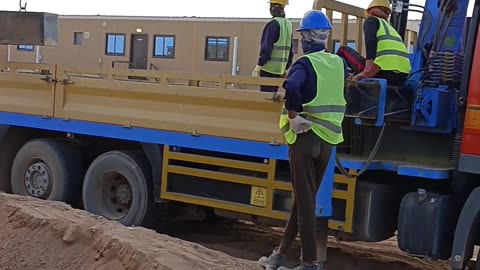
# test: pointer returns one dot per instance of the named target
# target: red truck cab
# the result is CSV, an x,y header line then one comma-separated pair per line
x,y
470,148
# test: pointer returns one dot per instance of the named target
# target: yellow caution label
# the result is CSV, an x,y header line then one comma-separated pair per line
x,y
258,196
472,117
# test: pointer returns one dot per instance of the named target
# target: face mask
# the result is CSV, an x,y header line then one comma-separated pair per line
x,y
309,47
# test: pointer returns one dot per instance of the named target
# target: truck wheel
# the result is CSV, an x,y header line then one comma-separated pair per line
x,y
47,169
118,186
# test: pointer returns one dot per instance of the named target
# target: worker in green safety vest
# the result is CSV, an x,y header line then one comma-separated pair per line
x,y
276,51
311,122
386,54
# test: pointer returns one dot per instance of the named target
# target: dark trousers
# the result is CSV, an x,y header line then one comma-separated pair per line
x,y
309,157
357,62
266,88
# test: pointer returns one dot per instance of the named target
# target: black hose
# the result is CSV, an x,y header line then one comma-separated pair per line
x,y
413,5
369,160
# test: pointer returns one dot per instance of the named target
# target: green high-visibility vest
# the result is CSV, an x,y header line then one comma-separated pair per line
x,y
392,54
281,49
327,109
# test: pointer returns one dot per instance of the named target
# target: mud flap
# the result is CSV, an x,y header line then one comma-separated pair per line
x,y
154,153
3,131
468,229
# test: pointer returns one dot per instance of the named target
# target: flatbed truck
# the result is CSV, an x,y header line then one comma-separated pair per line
x,y
148,147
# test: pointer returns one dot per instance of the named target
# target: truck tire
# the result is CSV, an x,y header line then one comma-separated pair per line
x,y
118,186
47,169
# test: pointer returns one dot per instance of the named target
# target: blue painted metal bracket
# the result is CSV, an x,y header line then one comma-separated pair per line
x,y
325,193
432,108
435,111
438,174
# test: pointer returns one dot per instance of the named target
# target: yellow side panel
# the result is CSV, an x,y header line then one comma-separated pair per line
x,y
262,188
23,89
160,102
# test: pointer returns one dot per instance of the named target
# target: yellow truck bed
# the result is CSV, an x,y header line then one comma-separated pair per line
x,y
200,104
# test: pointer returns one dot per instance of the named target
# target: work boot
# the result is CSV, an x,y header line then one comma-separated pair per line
x,y
273,261
304,267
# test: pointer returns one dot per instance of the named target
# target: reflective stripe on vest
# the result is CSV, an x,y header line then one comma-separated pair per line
x,y
327,109
392,54
281,49
323,123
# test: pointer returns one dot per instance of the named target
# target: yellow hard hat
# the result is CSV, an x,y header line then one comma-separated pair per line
x,y
379,3
280,2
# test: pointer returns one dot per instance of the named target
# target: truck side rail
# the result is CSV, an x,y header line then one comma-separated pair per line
x,y
200,104
25,88
349,12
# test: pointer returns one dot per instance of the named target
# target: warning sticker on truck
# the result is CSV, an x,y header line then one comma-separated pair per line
x,y
472,118
258,196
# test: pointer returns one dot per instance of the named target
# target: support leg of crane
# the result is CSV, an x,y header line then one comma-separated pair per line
x,y
322,239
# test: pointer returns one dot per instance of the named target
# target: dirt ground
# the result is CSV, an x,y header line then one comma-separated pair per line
x,y
246,241
37,234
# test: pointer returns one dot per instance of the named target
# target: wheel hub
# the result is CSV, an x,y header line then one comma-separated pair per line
x,y
37,179
115,195
124,193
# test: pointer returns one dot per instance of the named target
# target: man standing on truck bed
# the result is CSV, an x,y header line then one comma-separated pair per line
x,y
387,55
276,52
311,121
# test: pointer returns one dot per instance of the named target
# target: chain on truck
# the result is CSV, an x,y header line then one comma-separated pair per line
x,y
150,147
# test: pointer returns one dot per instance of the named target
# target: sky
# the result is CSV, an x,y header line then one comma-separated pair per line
x,y
199,8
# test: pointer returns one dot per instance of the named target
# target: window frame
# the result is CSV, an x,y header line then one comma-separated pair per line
x,y
155,45
24,49
340,43
75,38
124,44
216,59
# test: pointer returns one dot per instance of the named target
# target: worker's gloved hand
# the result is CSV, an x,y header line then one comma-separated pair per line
x,y
299,124
256,71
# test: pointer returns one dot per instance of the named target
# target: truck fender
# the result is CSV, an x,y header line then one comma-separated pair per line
x,y
154,153
467,231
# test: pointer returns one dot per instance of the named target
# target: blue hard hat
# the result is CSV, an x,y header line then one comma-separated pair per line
x,y
314,19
